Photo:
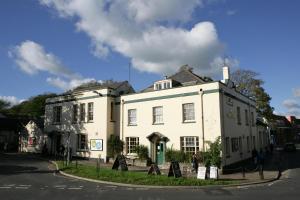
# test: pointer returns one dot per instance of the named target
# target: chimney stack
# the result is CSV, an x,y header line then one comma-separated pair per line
x,y
226,74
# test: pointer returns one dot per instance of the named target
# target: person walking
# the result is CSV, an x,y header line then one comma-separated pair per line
x,y
194,163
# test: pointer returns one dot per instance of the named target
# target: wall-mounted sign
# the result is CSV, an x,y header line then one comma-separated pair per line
x,y
96,145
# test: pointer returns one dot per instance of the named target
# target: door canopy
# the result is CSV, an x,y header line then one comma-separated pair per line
x,y
156,136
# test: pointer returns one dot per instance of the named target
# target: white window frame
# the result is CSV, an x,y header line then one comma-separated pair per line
x,y
189,144
132,120
188,112
234,144
157,113
57,114
246,117
82,145
238,115
82,112
90,111
131,144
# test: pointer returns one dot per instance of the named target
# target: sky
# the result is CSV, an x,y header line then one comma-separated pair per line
x,y
56,45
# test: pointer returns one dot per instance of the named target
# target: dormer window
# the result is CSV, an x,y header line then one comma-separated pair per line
x,y
164,84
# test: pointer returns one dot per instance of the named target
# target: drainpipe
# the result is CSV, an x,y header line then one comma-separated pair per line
x,y
223,136
122,116
202,119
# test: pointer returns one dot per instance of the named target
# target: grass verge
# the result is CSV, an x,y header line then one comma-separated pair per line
x,y
137,178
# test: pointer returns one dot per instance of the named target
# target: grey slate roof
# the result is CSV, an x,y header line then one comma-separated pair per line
x,y
184,77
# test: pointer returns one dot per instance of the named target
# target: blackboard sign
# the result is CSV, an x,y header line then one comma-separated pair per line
x,y
174,169
154,170
120,161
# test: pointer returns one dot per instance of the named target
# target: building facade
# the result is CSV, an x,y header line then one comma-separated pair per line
x,y
185,112
84,118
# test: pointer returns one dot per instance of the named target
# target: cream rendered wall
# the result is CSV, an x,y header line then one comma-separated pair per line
x,y
231,128
173,126
100,128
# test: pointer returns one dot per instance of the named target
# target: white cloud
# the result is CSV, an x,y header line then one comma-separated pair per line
x,y
296,92
145,32
292,106
67,84
32,58
12,100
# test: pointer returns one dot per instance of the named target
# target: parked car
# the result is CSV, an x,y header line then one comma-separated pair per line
x,y
289,147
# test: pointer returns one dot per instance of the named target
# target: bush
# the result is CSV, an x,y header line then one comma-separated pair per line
x,y
213,156
176,155
142,152
114,146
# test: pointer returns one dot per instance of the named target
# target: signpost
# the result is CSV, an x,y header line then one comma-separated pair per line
x,y
174,169
213,172
201,173
154,170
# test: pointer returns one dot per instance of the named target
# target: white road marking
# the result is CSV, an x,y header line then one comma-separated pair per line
x,y
59,185
9,185
142,188
5,187
73,188
24,185
21,187
270,184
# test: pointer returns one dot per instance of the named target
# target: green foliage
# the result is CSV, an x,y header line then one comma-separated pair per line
x,y
34,106
133,177
142,152
248,84
114,146
4,105
212,157
177,155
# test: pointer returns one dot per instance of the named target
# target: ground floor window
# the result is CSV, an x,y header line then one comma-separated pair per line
x,y
227,146
189,144
234,144
82,142
131,144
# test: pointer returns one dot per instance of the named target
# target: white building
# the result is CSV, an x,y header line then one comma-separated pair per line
x,y
32,137
84,118
183,112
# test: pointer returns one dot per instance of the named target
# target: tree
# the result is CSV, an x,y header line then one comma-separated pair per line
x,y
212,157
248,83
34,106
4,105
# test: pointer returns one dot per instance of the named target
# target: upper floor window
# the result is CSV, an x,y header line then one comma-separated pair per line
x,y
252,119
238,115
132,117
157,115
57,111
246,118
189,144
188,112
82,112
90,111
165,84
75,113
112,111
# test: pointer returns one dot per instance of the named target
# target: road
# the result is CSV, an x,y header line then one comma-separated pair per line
x,y
26,177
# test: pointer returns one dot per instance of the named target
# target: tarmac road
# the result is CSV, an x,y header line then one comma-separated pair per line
x,y
27,177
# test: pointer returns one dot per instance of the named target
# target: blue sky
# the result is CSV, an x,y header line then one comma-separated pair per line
x,y
54,45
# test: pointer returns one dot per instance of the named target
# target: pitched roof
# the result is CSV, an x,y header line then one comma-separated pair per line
x,y
184,77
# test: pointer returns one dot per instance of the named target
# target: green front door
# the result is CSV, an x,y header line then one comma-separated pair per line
x,y
160,153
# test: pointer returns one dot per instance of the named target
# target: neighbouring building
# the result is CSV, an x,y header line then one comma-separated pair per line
x,y
281,130
32,137
84,118
185,111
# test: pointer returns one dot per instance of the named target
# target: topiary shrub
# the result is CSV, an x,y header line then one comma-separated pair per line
x,y
114,146
142,152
